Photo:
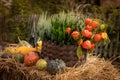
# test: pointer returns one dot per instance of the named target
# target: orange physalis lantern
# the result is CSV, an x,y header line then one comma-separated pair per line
x,y
88,21
68,30
92,46
94,24
97,37
75,34
87,33
86,44
89,28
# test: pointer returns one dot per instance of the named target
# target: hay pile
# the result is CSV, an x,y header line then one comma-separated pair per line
x,y
11,70
93,69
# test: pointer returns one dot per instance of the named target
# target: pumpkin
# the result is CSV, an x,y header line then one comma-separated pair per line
x,y
6,55
75,34
41,64
89,28
92,46
18,57
31,58
88,21
68,30
94,24
97,37
86,44
86,33
24,50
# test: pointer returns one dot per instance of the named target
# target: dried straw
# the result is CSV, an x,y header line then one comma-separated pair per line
x,y
11,70
93,69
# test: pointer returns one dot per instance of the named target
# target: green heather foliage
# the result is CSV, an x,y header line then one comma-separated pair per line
x,y
44,26
53,27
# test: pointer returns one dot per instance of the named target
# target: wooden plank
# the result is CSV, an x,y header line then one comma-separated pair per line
x,y
110,50
117,43
101,49
96,51
105,52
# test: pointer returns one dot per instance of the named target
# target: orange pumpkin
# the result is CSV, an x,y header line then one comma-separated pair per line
x,y
86,33
88,21
86,44
92,46
94,24
68,30
31,58
89,28
97,37
75,34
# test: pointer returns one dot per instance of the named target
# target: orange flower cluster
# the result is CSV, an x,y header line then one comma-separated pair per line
x,y
87,38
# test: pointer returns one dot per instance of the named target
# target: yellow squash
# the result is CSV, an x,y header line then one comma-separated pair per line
x,y
24,50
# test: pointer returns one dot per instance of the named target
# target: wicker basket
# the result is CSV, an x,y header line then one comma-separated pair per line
x,y
66,52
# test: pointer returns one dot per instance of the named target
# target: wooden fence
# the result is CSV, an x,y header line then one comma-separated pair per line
x,y
110,50
31,23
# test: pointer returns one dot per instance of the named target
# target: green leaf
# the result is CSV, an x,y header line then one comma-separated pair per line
x,y
79,52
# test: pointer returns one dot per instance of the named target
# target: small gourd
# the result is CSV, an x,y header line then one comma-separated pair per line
x,y
55,66
6,55
31,58
41,64
18,57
